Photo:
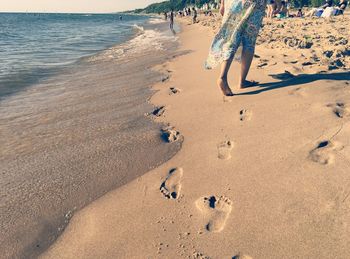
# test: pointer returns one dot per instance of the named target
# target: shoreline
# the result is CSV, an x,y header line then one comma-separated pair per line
x,y
68,141
272,159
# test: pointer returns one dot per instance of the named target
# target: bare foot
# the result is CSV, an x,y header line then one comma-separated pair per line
x,y
225,88
246,84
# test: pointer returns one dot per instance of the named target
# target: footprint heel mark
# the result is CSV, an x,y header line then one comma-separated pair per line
x,y
241,256
261,65
216,211
165,78
298,91
198,255
340,110
171,186
324,153
245,115
224,150
170,134
157,112
174,90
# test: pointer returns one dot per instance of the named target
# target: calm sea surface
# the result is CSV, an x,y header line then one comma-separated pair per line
x,y
34,46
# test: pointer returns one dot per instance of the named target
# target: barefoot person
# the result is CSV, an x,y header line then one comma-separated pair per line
x,y
240,26
171,20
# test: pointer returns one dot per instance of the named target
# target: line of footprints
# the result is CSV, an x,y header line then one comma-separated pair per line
x,y
216,210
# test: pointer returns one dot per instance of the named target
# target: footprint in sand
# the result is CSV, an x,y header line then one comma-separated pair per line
x,y
158,111
340,110
174,90
298,91
324,153
261,65
170,134
245,115
165,78
240,256
224,150
171,187
216,211
198,255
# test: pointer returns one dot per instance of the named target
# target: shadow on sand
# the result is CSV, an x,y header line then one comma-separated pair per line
x,y
299,80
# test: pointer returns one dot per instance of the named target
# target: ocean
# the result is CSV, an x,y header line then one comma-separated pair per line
x,y
34,46
74,91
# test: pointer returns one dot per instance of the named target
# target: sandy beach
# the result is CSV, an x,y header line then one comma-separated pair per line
x,y
262,174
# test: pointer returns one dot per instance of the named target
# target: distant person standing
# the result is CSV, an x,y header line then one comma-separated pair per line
x,y
195,14
171,20
165,16
121,18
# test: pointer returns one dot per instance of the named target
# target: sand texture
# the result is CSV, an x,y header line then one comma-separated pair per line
x,y
262,174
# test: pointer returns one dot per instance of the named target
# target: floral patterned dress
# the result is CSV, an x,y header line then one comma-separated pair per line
x,y
240,26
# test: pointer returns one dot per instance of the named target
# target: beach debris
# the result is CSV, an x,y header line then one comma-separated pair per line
x,y
171,186
170,134
68,216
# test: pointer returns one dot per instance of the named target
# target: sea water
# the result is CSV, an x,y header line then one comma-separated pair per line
x,y
34,45
74,91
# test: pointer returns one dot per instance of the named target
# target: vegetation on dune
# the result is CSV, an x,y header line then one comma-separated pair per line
x,y
180,4
172,5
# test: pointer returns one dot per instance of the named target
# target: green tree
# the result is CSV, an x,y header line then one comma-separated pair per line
x,y
316,3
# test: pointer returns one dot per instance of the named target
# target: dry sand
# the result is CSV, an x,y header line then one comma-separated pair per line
x,y
264,174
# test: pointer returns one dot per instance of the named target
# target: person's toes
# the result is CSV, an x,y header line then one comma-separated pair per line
x,y
226,90
247,84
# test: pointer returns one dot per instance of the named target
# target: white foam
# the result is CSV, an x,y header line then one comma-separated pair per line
x,y
156,21
140,28
147,40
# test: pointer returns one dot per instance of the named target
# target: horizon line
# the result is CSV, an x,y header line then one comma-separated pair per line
x,y
52,12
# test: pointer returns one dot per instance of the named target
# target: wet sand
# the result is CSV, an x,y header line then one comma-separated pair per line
x,y
76,136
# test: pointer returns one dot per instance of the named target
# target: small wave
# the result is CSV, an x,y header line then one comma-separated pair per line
x,y
139,28
148,40
156,21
